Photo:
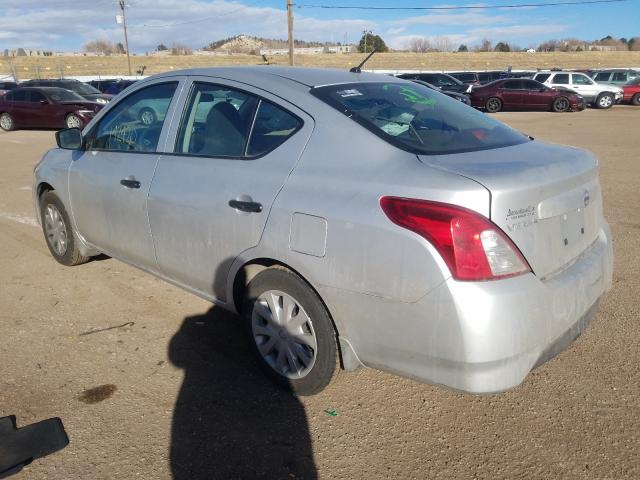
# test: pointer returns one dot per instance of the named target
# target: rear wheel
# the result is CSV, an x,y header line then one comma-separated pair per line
x,y
6,122
290,331
635,100
58,231
493,105
561,104
73,121
605,100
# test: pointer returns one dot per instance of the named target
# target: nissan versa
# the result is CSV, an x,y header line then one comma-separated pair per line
x,y
351,219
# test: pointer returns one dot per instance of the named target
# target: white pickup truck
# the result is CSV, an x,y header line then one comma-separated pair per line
x,y
598,95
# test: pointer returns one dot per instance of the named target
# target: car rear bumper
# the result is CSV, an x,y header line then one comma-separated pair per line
x,y
478,337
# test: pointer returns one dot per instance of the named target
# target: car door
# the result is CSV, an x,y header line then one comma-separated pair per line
x,y
584,86
231,153
538,96
40,112
19,106
109,181
512,94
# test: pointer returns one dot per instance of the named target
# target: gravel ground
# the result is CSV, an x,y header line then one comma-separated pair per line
x,y
171,393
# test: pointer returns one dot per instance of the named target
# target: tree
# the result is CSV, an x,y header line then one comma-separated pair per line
x,y
119,48
485,45
102,47
370,41
634,44
463,48
419,45
502,47
162,47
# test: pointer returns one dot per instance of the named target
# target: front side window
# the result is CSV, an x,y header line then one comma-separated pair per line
x,y
533,86
579,79
417,119
135,123
561,79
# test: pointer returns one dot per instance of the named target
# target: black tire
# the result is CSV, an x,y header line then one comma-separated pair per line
x,y
561,104
147,116
635,100
325,361
605,100
71,255
7,123
493,105
73,121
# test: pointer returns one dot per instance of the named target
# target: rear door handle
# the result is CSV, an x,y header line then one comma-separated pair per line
x,y
130,183
246,206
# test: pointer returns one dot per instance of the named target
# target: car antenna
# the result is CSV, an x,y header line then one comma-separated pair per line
x,y
358,69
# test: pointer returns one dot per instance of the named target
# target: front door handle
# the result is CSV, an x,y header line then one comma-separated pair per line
x,y
130,183
246,206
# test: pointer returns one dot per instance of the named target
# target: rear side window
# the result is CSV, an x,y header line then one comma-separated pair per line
x,y
17,96
512,85
580,79
602,77
418,119
542,77
271,128
620,77
561,79
135,123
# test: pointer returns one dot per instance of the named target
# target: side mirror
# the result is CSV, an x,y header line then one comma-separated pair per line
x,y
70,139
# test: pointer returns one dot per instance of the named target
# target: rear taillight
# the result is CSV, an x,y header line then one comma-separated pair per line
x,y
471,245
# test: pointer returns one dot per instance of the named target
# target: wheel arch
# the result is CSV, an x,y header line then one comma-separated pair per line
x,y
244,273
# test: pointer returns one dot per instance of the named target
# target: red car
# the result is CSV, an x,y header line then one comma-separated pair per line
x,y
632,92
523,94
45,107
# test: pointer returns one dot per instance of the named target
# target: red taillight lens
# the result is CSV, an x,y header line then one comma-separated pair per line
x,y
471,245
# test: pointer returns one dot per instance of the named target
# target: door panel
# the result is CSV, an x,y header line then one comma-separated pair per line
x,y
109,182
206,207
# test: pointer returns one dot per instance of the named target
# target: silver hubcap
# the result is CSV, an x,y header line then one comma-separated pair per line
x,y
5,122
493,105
147,117
562,104
284,334
605,101
55,229
73,121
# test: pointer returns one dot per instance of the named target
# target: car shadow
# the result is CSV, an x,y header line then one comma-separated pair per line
x,y
229,420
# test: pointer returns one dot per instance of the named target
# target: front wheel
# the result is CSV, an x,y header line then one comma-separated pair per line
x,y
290,331
635,100
493,105
6,122
58,231
605,100
561,104
73,121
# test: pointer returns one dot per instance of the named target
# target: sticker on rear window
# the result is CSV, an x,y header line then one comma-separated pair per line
x,y
349,93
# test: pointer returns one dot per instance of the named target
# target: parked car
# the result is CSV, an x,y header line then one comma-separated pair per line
x,y
523,94
45,107
595,94
116,87
102,84
616,76
345,216
468,78
6,86
632,92
83,89
440,80
461,97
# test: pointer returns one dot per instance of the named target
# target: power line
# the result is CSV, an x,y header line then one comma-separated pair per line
x,y
465,7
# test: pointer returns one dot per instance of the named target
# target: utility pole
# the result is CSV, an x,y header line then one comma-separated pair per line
x,y
126,39
290,27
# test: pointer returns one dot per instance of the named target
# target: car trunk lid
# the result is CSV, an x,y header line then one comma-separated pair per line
x,y
545,197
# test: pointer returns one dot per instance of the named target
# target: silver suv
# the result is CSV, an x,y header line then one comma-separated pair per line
x,y
595,94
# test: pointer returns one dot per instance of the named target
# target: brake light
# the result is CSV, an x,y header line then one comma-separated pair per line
x,y
472,246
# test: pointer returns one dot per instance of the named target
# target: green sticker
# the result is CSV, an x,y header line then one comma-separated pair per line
x,y
411,96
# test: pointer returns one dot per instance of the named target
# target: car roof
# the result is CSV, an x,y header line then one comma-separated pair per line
x,y
310,77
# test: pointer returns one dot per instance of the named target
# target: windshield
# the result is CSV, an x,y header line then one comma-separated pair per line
x,y
82,88
418,119
61,95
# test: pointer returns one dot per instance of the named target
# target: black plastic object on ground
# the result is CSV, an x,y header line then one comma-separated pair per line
x,y
20,446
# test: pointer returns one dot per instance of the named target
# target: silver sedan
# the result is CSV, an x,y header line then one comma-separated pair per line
x,y
351,219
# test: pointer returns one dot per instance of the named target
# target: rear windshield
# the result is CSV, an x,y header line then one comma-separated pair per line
x,y
541,77
418,119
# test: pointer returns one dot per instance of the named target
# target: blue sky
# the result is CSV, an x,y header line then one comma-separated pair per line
x,y
68,24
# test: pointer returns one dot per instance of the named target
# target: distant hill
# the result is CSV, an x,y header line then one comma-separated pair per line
x,y
249,44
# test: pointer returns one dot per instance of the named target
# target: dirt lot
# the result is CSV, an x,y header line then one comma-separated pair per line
x,y
54,67
176,397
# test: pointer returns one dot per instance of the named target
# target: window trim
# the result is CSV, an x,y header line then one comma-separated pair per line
x,y
245,157
90,136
